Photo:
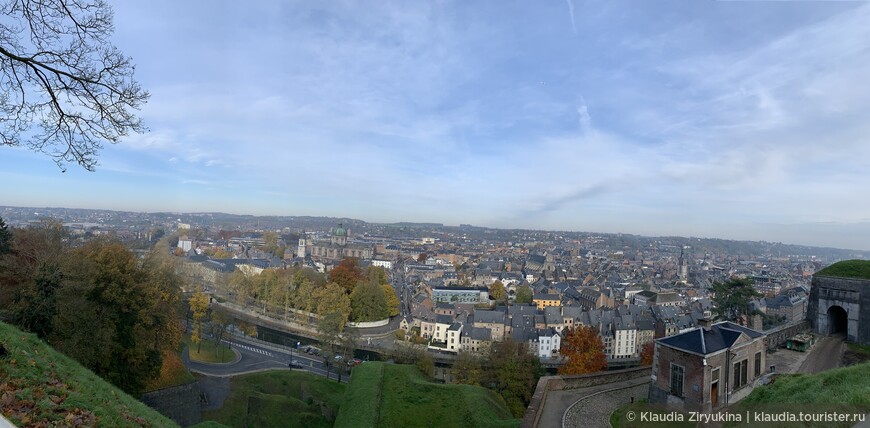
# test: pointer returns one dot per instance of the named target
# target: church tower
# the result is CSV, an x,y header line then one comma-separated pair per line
x,y
300,250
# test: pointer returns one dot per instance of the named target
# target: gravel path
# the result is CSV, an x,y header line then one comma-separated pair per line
x,y
594,411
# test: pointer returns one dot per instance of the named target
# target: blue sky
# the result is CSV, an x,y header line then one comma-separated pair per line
x,y
729,119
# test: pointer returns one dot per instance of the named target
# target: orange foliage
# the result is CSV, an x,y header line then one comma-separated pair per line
x,y
584,350
346,274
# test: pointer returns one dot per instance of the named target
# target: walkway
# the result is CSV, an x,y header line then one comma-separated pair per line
x,y
594,410
558,402
826,354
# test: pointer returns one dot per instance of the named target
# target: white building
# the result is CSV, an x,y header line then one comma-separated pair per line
x,y
548,343
386,264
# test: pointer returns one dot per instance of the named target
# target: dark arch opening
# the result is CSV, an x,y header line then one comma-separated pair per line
x,y
838,321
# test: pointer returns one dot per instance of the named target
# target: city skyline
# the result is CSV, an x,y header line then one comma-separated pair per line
x,y
732,119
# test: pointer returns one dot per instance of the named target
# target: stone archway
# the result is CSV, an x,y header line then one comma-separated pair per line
x,y
838,320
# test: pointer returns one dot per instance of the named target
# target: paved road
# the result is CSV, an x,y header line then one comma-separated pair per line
x,y
254,357
826,354
558,402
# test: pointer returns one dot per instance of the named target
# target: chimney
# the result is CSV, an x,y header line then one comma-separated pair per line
x,y
705,323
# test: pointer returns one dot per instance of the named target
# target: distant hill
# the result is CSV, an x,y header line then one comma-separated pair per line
x,y
390,395
42,387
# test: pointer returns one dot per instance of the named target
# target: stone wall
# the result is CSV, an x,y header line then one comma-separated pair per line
x,y
851,294
179,403
778,335
561,383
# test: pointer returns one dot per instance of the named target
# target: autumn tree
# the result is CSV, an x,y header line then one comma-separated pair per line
x,y
584,351
731,299
31,274
368,302
524,295
346,274
647,351
67,89
497,291
377,274
392,300
199,308
422,257
118,316
270,242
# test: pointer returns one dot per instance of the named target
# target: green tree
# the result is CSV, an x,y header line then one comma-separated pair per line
x,y
5,238
332,299
731,299
467,369
346,274
30,275
583,348
270,242
377,274
513,372
67,89
392,300
368,302
497,291
199,307
524,295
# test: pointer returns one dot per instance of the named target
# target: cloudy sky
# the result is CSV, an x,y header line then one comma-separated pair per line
x,y
729,119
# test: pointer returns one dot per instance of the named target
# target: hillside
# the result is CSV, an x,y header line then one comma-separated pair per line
x,y
859,269
389,395
42,387
280,398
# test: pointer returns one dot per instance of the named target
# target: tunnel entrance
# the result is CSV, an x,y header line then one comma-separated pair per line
x,y
838,320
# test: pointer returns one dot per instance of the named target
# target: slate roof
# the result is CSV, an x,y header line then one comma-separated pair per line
x,y
705,342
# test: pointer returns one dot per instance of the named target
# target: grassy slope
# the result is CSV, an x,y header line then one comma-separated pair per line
x,y
38,383
845,385
407,399
280,398
848,269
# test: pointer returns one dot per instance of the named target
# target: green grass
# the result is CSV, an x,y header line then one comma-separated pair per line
x,y
844,390
362,398
280,398
39,385
408,399
209,352
848,269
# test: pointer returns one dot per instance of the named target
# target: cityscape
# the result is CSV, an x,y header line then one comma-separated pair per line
x,y
580,213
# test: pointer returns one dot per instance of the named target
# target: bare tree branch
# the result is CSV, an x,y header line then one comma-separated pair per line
x,y
65,89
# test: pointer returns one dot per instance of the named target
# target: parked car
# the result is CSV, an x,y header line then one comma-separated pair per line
x,y
295,364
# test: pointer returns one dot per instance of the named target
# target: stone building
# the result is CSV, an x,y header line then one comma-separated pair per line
x,y
839,300
707,368
337,247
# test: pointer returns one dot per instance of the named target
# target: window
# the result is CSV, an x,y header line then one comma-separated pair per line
x,y
677,374
757,364
740,372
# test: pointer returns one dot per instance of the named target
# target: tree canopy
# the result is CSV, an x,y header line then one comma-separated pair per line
x,y
497,291
584,350
346,274
524,295
732,297
66,89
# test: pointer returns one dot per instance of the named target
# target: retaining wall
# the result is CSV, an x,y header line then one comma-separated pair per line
x,y
561,383
179,403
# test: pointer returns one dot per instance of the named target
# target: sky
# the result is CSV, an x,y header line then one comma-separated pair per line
x,y
724,119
